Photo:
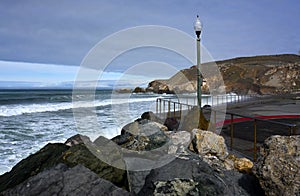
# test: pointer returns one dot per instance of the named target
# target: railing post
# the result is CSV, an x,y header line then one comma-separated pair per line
x,y
231,132
164,107
254,147
156,109
180,111
169,108
215,119
294,130
174,113
160,106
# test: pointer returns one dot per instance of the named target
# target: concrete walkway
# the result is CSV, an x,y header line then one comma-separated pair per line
x,y
280,107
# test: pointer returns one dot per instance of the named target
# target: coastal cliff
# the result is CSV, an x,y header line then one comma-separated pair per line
x,y
274,74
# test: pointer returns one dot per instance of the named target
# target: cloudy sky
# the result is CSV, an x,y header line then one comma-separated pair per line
x,y
45,41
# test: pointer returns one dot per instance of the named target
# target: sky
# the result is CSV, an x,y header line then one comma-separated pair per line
x,y
44,42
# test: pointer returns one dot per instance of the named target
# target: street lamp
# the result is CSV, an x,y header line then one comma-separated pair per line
x,y
198,29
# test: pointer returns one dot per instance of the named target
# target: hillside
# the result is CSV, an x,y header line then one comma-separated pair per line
x,y
273,74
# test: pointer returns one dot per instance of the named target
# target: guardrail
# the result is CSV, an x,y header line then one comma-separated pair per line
x,y
292,128
167,108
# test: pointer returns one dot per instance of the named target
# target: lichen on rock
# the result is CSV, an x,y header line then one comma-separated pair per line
x,y
278,167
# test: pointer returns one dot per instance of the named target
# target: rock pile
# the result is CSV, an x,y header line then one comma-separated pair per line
x,y
213,150
183,163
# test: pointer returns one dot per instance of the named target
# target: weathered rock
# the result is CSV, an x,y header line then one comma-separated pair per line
x,y
243,165
139,168
195,177
80,154
179,142
176,187
123,90
53,154
278,167
48,156
208,143
151,116
171,123
160,87
191,121
258,74
61,180
77,139
142,135
139,90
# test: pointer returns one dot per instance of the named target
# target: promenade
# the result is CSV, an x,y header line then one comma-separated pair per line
x,y
244,135
283,109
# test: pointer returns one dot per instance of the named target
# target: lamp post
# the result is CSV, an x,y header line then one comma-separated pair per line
x,y
198,28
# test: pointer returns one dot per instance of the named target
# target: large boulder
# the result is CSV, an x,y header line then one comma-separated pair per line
x,y
151,116
139,167
74,152
212,148
278,167
208,143
142,135
192,176
86,156
48,156
62,180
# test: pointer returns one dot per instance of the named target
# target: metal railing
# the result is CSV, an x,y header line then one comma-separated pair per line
x,y
174,109
214,100
291,128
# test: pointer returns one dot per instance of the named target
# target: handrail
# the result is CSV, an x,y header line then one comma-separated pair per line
x,y
254,118
292,127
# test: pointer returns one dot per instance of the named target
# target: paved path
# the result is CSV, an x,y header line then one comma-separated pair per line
x,y
286,110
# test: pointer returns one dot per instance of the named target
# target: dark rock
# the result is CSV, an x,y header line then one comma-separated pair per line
x,y
195,177
151,116
77,139
136,180
278,167
48,156
142,135
172,124
139,90
61,180
53,154
80,154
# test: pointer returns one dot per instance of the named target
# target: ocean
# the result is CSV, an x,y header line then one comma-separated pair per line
x,y
29,119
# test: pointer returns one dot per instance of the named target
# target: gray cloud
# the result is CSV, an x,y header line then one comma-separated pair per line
x,y
62,32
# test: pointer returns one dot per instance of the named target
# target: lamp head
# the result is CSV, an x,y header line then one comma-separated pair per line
x,y
198,27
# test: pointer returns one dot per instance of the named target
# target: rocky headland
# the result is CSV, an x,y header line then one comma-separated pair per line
x,y
274,74
195,162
